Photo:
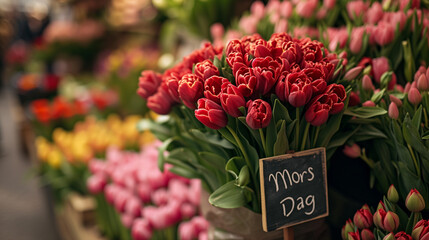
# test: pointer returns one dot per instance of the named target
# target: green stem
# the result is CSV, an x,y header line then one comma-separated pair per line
x,y
264,144
367,160
426,118
316,136
415,160
304,138
251,167
297,130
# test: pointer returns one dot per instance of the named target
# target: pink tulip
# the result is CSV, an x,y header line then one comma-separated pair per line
x,y
356,39
367,83
368,103
396,100
384,34
127,220
217,31
281,26
133,206
96,183
352,151
379,66
356,9
160,197
187,210
203,236
414,96
422,83
353,73
141,229
257,9
393,111
407,87
286,9
306,9
144,191
248,24
200,223
187,231
329,4
374,13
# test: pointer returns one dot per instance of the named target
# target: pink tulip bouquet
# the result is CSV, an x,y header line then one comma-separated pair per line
x,y
399,150
389,221
135,199
257,98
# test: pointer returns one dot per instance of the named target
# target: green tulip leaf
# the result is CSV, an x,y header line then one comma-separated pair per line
x,y
270,137
368,132
377,97
183,154
412,136
253,132
417,118
340,138
185,172
213,160
244,176
159,130
161,150
213,139
228,196
280,112
365,112
234,164
281,146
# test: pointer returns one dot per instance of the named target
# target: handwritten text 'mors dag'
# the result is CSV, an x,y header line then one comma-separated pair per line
x,y
289,179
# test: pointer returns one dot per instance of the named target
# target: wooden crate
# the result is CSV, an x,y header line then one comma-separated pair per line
x,y
76,220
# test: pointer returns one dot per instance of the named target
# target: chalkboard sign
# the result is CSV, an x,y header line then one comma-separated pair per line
x,y
293,188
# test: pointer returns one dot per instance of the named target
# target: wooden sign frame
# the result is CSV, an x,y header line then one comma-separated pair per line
x,y
321,151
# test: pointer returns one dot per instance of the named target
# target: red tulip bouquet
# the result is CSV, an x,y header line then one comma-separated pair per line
x,y
256,99
389,221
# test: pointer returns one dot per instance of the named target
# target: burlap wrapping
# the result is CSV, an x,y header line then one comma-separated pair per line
x,y
243,224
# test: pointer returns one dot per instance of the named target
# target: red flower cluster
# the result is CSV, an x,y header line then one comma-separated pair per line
x,y
44,111
297,71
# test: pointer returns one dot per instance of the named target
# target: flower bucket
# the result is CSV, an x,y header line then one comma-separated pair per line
x,y
241,223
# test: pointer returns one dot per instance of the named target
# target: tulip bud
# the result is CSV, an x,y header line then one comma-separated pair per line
x,y
379,66
353,73
356,39
367,83
393,111
402,236
414,201
352,151
353,235
211,114
378,217
366,234
414,96
396,100
422,83
381,206
421,230
368,103
407,87
391,221
389,236
392,194
354,99
362,219
365,206
349,227
141,229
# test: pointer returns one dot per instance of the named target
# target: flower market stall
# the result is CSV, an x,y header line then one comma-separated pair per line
x,y
269,119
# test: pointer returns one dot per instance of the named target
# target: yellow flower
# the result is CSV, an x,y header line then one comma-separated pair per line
x,y
42,148
54,158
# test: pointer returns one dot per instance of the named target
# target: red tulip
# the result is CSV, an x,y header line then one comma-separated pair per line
x,y
210,114
402,236
368,103
149,82
353,235
231,99
246,81
354,99
388,221
266,72
421,230
161,101
363,218
414,201
190,89
213,87
337,94
205,69
318,111
258,114
172,82
367,234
